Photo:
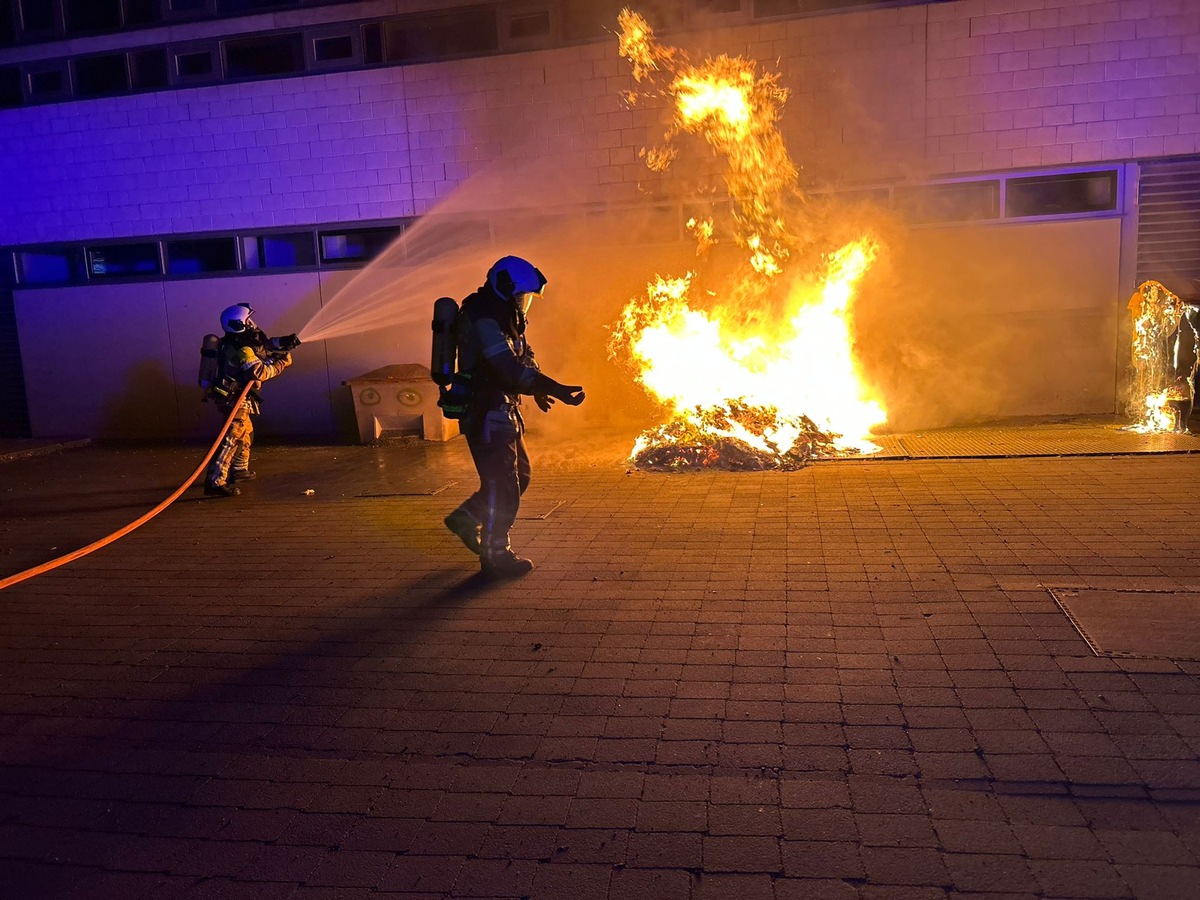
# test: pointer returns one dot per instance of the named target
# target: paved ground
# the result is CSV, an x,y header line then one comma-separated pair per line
x,y
847,681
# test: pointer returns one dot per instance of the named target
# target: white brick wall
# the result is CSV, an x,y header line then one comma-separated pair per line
x,y
946,88
1087,80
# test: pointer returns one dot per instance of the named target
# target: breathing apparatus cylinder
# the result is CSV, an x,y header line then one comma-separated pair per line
x,y
445,342
210,347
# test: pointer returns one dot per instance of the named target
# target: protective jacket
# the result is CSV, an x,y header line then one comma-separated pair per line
x,y
493,350
243,363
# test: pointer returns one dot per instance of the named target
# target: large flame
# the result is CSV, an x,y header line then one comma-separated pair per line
x,y
765,359
1156,389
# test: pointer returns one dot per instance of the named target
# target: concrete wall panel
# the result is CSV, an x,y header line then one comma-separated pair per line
x,y
970,324
98,361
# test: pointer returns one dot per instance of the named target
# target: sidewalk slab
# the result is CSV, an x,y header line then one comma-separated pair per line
x,y
850,680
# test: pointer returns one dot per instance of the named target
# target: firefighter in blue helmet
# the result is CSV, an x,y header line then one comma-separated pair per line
x,y
493,353
244,354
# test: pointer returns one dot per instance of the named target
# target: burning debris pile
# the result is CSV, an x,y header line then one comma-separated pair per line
x,y
1158,395
709,440
756,371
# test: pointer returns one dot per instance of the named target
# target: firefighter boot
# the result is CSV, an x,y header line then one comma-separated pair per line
x,y
211,489
463,524
500,564
242,475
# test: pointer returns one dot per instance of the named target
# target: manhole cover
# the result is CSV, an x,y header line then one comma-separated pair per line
x,y
1135,623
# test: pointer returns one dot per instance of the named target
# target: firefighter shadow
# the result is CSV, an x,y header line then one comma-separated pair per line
x,y
461,590
260,706
136,412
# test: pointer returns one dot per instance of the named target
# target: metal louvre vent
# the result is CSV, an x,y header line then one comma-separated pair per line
x,y
1169,223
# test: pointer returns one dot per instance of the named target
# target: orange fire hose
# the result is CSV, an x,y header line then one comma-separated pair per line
x,y
142,520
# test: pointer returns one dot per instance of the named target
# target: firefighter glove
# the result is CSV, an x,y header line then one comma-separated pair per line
x,y
570,394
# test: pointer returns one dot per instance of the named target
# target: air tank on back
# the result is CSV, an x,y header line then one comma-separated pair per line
x,y
445,342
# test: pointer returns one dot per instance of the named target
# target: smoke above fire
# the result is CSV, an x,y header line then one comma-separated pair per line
x,y
752,362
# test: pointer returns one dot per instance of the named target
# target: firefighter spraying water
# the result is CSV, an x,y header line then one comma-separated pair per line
x,y
243,356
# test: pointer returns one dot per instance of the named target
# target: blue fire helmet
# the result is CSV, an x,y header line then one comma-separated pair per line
x,y
512,275
236,319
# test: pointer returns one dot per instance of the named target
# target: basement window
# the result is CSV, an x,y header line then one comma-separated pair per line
x,y
201,255
764,9
87,16
357,245
529,25
194,64
189,7
292,250
123,260
10,87
586,19
101,76
262,57
48,82
1061,194
333,49
142,12
50,266
8,34
38,16
469,32
241,6
958,201
372,38
148,69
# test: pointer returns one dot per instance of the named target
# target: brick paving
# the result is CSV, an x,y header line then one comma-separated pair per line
x,y
849,681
